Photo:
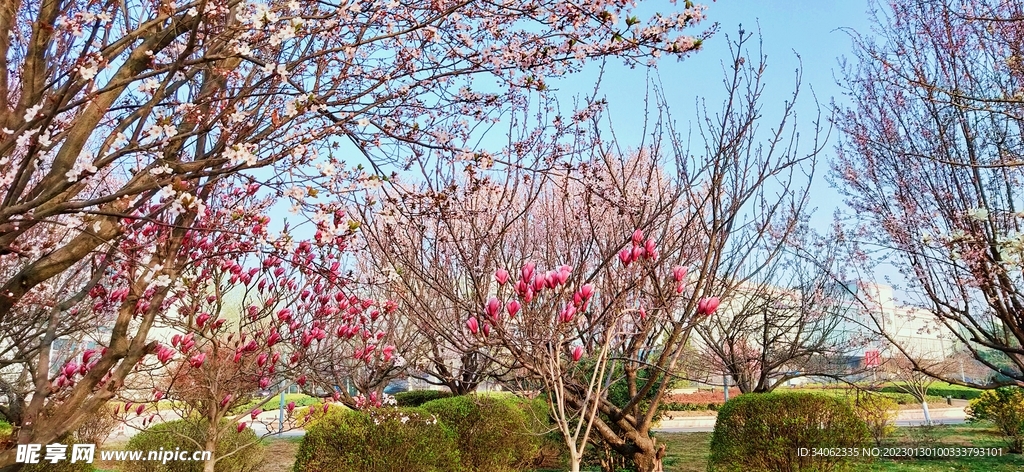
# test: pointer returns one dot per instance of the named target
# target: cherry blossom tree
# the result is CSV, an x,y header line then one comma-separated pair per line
x,y
121,120
930,162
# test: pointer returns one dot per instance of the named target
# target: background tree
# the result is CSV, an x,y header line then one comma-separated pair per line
x,y
930,163
789,322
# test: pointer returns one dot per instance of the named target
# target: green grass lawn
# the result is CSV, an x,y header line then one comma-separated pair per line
x,y
688,452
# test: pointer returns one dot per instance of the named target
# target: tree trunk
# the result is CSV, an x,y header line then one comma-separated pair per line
x,y
927,415
211,445
647,457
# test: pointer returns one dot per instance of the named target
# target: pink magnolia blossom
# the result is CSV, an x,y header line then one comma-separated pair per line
x,y
493,308
707,306
587,291
473,325
255,413
501,275
527,271
197,360
240,427
626,256
577,353
512,308
290,407
638,237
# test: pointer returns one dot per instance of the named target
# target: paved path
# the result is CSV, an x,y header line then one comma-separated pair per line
x,y
706,424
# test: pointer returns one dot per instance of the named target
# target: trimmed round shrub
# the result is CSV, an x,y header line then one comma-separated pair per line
x,y
493,432
768,431
379,440
414,398
190,436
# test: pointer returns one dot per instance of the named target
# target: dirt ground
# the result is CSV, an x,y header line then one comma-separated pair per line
x,y
280,455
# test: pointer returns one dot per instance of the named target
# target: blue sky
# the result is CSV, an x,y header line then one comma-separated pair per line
x,y
817,31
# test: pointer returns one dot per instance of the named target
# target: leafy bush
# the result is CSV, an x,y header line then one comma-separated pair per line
x,y
380,440
414,398
63,465
191,435
1003,407
765,431
879,414
493,432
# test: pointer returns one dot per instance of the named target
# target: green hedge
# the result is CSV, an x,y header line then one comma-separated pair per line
x,y
414,398
688,406
766,431
300,399
493,432
185,435
381,440
954,391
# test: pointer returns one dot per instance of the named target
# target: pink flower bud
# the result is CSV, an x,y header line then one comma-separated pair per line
x,y
512,308
255,413
577,353
638,237
197,360
487,330
261,360
626,256
679,273
202,319
527,271
707,306
241,427
290,407
587,291
473,325
493,308
139,409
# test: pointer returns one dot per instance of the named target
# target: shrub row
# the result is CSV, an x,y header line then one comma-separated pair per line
x,y
464,433
676,406
961,393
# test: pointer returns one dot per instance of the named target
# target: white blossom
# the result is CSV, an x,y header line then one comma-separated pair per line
x,y
978,214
